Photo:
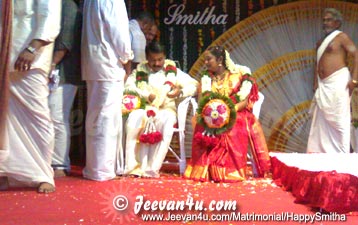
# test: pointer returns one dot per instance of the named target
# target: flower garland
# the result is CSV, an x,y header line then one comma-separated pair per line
x,y
185,49
131,101
216,113
200,41
235,68
141,76
171,42
142,72
150,134
237,11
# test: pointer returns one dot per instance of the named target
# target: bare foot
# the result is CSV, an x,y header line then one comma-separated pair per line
x,y
4,183
59,173
45,188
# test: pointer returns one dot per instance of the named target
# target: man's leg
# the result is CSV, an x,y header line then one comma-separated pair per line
x,y
60,102
103,129
165,124
30,131
133,127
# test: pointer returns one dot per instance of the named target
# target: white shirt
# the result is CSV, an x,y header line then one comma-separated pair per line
x,y
156,82
138,41
105,40
35,19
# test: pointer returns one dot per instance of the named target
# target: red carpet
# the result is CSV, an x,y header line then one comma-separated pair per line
x,y
80,201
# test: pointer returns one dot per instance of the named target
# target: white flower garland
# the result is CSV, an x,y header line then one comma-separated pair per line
x,y
162,92
185,49
171,42
235,68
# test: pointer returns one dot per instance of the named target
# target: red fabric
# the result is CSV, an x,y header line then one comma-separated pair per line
x,y
330,191
230,149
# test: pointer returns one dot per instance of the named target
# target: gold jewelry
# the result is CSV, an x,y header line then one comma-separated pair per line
x,y
354,81
219,77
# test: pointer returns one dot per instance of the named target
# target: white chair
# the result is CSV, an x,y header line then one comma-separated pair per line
x,y
182,112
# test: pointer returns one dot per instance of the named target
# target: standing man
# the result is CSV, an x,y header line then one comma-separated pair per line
x,y
333,84
146,159
36,24
151,34
66,68
106,51
138,27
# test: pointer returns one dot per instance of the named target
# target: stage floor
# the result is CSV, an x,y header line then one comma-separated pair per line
x,y
81,201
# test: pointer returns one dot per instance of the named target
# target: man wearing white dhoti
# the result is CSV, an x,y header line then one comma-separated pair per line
x,y
106,51
160,83
333,84
36,24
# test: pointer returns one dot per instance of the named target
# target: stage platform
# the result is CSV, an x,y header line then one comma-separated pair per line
x,y
320,180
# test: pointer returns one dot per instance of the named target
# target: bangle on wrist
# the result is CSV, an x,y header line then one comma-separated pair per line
x,y
354,81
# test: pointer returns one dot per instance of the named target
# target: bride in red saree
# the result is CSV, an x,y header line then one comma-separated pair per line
x,y
223,158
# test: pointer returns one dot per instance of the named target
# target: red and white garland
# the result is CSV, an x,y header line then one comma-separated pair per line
x,y
150,134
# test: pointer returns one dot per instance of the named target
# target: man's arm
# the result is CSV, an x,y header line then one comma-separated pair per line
x,y
65,40
120,39
48,17
186,85
351,49
315,72
28,55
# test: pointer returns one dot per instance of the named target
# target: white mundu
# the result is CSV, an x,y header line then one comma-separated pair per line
x,y
144,159
330,128
29,125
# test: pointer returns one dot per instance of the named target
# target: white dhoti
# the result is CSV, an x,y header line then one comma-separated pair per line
x,y
104,156
145,159
30,130
330,128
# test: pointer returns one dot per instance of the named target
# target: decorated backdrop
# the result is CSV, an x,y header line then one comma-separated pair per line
x,y
188,27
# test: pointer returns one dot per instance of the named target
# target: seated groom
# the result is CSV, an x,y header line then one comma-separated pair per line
x,y
149,131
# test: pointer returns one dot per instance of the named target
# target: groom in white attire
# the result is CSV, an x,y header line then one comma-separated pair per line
x,y
333,85
144,159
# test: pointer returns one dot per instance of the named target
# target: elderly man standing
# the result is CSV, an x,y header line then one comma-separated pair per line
x,y
106,51
333,84
36,24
